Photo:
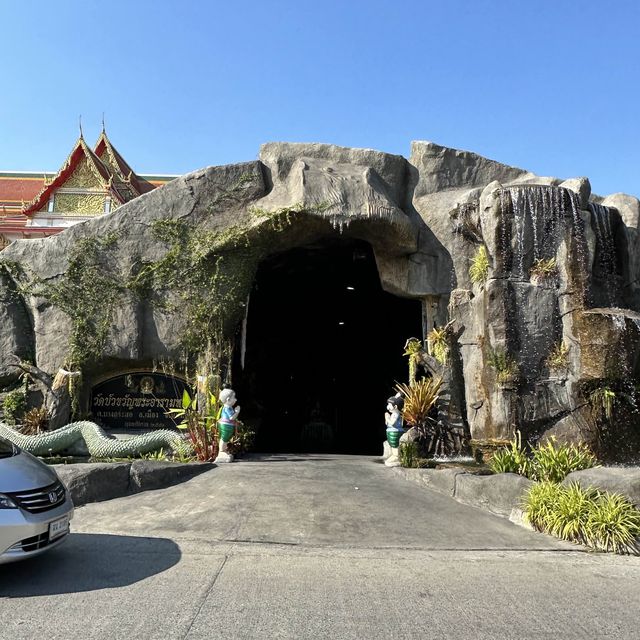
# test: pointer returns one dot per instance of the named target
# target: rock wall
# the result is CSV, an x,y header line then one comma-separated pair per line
x,y
426,219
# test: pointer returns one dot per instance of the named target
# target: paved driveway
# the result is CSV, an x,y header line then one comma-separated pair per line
x,y
312,547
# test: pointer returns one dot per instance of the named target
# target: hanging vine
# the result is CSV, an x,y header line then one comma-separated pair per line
x,y
203,278
87,292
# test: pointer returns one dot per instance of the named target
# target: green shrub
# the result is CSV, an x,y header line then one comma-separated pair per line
x,y
603,521
554,462
411,458
613,524
14,406
155,455
570,513
479,269
547,463
512,459
539,504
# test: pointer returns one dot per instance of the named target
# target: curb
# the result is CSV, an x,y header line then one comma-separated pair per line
x,y
98,481
502,493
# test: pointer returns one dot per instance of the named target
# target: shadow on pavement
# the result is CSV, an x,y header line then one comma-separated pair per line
x,y
299,457
89,562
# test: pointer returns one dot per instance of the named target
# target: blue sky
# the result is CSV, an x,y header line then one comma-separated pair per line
x,y
553,87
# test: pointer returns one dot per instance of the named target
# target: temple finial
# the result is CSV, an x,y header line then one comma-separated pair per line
x,y
80,125
103,127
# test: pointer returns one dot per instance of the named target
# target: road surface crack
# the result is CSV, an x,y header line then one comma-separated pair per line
x,y
205,597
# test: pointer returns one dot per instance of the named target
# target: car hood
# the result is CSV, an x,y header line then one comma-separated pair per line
x,y
23,472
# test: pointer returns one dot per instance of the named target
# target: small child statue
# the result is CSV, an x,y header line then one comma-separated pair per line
x,y
393,420
227,423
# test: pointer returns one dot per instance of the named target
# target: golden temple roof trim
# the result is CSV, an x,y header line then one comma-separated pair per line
x,y
125,173
98,168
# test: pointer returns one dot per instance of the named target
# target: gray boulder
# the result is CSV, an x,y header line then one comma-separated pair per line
x,y
500,493
95,481
624,480
146,475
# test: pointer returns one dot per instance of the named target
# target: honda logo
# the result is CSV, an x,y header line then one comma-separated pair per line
x,y
53,497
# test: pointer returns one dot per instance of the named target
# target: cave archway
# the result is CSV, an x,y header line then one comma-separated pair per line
x,y
323,347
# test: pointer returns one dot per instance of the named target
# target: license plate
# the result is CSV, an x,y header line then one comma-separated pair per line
x,y
58,527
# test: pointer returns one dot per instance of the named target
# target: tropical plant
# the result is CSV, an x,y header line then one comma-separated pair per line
x,y
570,513
438,341
539,504
548,462
552,463
504,365
435,437
242,439
412,349
558,358
181,456
603,401
201,428
511,459
613,524
479,269
601,520
35,421
14,406
419,400
161,454
543,269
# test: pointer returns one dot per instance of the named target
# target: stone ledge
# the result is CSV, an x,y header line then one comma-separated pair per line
x,y
502,493
98,481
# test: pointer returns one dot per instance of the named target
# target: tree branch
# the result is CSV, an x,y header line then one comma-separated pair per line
x,y
33,371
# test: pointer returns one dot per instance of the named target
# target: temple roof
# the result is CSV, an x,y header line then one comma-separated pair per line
x,y
123,174
23,193
79,152
20,187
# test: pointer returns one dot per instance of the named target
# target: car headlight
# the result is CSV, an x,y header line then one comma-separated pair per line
x,y
6,502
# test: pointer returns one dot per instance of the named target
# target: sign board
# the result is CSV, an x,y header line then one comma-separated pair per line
x,y
137,400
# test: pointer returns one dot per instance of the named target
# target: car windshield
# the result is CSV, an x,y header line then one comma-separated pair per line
x,y
6,448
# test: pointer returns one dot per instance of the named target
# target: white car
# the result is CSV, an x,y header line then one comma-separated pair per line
x,y
35,508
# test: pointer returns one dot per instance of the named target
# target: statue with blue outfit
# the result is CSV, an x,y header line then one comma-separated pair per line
x,y
393,420
227,423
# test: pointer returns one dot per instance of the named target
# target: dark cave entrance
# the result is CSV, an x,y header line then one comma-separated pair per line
x,y
323,349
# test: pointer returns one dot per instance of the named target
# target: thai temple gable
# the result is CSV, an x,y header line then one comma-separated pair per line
x,y
81,188
125,182
90,183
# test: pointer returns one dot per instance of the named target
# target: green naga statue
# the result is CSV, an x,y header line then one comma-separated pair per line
x,y
98,443
62,435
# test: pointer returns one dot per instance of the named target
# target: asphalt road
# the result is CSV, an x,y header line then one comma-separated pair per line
x,y
312,547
